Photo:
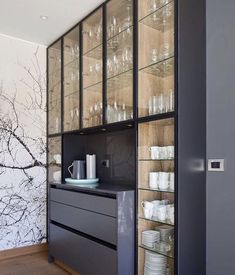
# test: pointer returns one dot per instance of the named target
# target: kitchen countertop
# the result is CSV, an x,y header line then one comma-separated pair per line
x,y
103,189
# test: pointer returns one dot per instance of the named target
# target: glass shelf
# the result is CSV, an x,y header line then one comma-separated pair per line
x,y
117,43
170,159
156,190
74,63
120,32
95,53
161,19
157,221
162,68
122,80
93,86
157,250
71,94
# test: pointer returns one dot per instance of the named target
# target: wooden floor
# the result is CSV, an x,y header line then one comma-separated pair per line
x,y
34,264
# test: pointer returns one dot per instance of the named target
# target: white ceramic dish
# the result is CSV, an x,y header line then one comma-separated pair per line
x,y
87,183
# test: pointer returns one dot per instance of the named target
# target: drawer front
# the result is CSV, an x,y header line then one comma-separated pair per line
x,y
94,203
85,256
94,224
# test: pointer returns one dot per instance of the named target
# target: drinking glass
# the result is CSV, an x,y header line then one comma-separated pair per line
x,y
161,103
165,50
154,55
113,26
128,19
169,99
109,67
124,113
115,64
153,5
150,106
155,104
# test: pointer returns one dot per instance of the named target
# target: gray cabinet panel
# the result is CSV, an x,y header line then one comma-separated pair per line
x,y
83,255
94,224
98,204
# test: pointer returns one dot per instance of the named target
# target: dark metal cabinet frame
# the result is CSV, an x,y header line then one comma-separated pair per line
x,y
190,127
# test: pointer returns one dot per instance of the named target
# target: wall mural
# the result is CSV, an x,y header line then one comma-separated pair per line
x,y
22,143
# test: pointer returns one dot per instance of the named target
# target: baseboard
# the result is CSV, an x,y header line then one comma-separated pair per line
x,y
21,251
66,268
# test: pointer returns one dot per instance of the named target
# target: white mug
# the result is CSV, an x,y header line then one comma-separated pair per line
x,y
148,209
161,213
170,151
165,202
155,152
153,180
170,213
57,158
163,153
163,176
57,176
163,185
171,181
156,204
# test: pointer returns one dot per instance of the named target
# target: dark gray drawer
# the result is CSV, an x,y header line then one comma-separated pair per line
x,y
98,204
94,224
85,256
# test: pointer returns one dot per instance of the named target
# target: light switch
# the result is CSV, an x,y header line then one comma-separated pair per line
x,y
216,165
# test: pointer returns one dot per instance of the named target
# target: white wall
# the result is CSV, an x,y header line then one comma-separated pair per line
x,y
22,143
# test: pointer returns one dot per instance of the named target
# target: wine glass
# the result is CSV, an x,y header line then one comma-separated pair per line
x,y
128,19
153,5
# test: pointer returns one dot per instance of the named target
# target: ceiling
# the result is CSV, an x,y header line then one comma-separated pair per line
x,y
21,18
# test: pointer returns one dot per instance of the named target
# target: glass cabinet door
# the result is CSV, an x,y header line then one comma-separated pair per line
x,y
71,80
119,64
54,88
156,57
92,57
156,197
54,159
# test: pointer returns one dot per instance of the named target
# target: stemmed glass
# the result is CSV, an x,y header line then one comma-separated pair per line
x,y
128,19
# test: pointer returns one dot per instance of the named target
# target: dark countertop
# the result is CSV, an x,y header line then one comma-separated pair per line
x,y
102,189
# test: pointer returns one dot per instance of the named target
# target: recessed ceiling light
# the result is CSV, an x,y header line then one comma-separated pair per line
x,y
44,17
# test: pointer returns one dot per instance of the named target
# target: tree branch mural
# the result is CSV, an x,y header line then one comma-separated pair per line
x,y
23,157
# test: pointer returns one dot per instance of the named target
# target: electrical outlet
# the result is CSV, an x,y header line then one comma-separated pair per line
x,y
105,163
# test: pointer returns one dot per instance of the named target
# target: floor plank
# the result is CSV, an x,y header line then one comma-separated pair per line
x,y
34,264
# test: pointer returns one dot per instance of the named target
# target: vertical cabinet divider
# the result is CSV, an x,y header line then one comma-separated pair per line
x,y
135,58
81,76
104,64
62,106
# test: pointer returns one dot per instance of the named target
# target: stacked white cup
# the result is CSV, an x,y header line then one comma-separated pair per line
x,y
162,152
159,210
161,180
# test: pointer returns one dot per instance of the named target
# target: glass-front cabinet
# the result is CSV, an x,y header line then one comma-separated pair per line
x,y
92,60
119,65
54,159
156,197
54,88
156,175
71,92
156,57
